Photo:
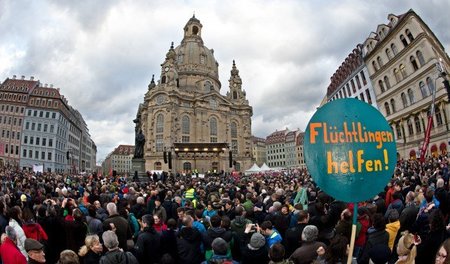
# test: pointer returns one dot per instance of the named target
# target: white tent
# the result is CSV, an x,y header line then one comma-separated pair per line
x,y
253,169
264,167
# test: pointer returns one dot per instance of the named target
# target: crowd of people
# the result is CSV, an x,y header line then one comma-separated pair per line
x,y
268,217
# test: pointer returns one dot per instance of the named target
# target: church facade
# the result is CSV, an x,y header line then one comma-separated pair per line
x,y
189,126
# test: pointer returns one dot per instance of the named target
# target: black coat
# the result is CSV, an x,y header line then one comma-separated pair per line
x,y
148,246
188,245
91,258
251,256
373,238
213,233
123,229
169,243
292,238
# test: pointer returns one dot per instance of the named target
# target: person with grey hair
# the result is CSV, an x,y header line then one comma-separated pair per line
x,y
307,252
8,250
139,209
118,224
115,255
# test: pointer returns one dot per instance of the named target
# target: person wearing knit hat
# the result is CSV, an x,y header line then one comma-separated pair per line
x,y
257,241
252,248
220,249
406,249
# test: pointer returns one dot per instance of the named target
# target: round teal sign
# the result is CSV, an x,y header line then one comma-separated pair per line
x,y
350,150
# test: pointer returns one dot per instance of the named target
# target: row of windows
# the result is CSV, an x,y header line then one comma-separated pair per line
x,y
276,157
38,141
275,151
417,125
13,97
11,120
10,149
346,92
40,113
44,103
391,106
400,72
29,152
14,134
40,127
362,97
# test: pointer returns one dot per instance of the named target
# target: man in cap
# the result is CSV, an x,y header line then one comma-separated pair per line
x,y
35,251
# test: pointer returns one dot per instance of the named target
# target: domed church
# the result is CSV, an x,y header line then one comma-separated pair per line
x,y
189,126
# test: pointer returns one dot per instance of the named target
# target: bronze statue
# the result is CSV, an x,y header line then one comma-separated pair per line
x,y
139,140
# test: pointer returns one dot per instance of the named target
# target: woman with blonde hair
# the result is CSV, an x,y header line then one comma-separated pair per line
x,y
407,248
92,250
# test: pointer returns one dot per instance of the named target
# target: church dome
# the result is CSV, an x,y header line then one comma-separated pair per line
x,y
192,57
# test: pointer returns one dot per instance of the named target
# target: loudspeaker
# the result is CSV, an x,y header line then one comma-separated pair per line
x,y
170,160
68,155
230,158
114,173
165,156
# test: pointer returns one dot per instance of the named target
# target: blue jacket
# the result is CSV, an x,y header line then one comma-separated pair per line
x,y
274,238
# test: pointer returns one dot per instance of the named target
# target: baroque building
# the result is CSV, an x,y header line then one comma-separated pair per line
x,y
39,127
402,58
350,80
185,118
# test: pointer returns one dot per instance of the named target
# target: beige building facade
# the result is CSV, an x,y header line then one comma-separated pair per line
x,y
259,151
186,106
401,59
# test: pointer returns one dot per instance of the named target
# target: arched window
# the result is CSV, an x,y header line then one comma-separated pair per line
x,y
358,82
380,61
414,63
160,123
387,83
163,79
374,65
438,116
234,95
380,83
345,93
409,35
348,89
420,58
393,108
185,125
208,86
410,127
363,77
417,124
233,130
399,129
213,129
388,54
404,100
411,96
430,85
387,109
403,71
403,40
394,49
423,91
353,86
398,78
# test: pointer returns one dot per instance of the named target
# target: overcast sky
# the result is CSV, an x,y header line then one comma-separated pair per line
x,y
102,54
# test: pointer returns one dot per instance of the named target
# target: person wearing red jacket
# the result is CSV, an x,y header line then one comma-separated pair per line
x,y
31,228
9,251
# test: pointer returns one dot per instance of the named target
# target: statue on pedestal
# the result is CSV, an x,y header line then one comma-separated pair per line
x,y
139,141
